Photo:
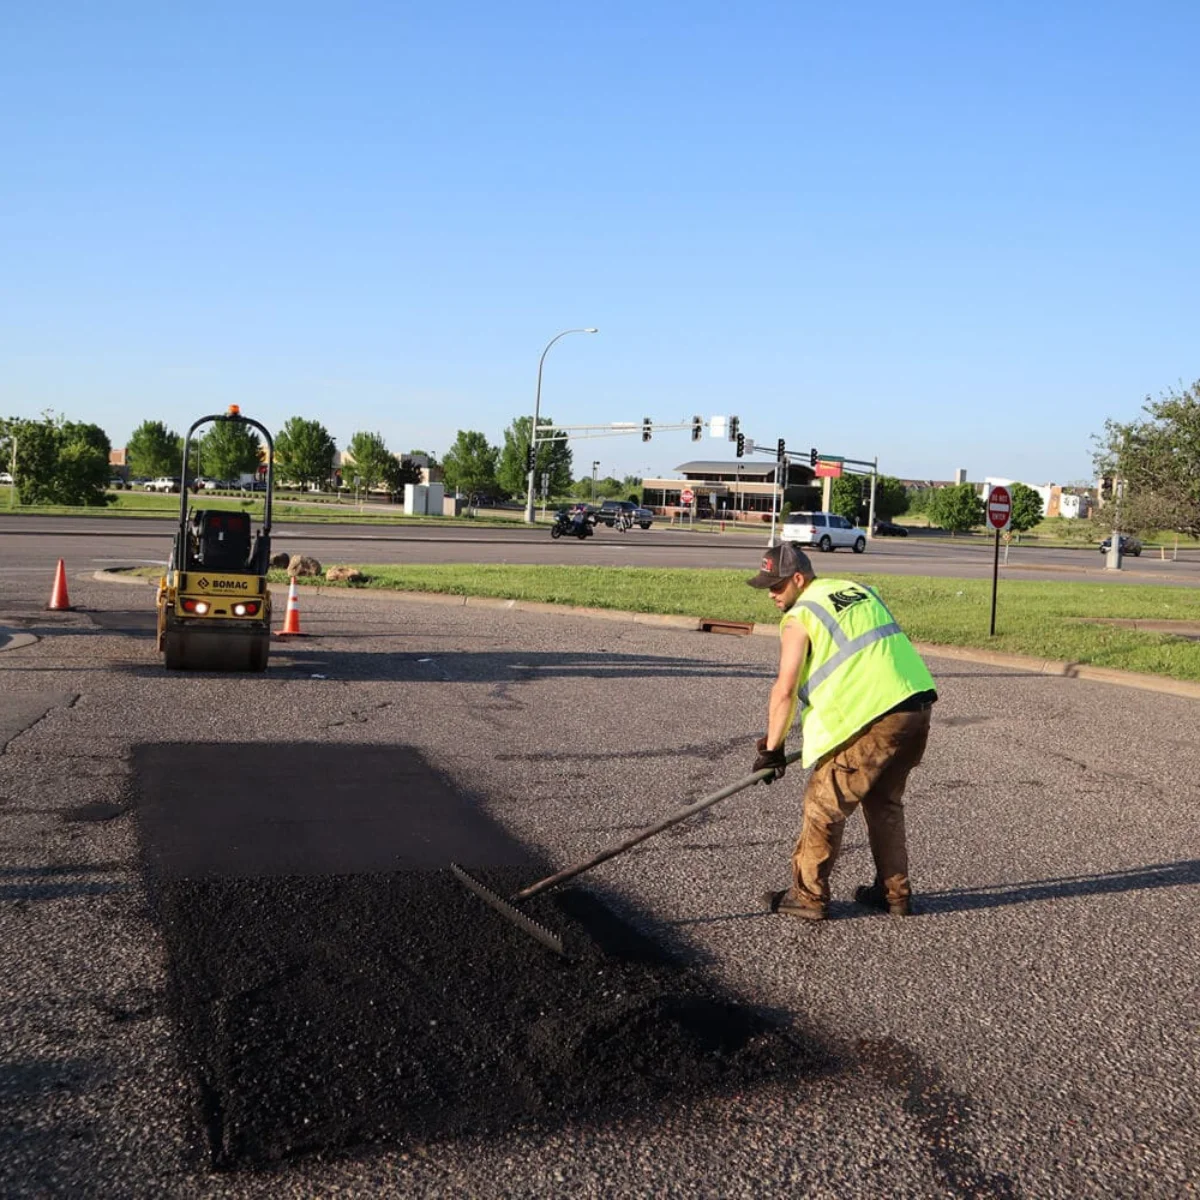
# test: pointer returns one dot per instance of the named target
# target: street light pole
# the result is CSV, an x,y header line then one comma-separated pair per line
x,y
595,468
537,408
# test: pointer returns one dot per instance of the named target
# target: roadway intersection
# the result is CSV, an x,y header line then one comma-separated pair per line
x,y
29,542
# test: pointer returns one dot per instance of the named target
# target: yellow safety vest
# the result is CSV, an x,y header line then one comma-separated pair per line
x,y
860,663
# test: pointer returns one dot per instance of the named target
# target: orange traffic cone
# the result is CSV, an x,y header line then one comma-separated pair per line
x,y
291,619
58,597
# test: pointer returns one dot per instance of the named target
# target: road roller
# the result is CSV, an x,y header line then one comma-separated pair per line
x,y
214,607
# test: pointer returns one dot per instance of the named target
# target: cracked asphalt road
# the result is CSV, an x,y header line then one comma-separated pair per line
x,y
1033,1033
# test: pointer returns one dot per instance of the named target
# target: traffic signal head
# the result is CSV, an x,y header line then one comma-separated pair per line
x,y
697,429
812,457
734,425
646,427
741,444
780,450
530,457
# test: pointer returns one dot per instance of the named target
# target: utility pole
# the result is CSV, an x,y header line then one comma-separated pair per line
x,y
871,507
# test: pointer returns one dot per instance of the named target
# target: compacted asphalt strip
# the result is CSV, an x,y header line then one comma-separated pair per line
x,y
236,964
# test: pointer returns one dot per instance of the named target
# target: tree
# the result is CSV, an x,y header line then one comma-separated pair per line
x,y
553,458
372,459
846,497
956,508
304,452
229,449
891,498
398,472
153,450
58,461
850,497
1156,462
608,488
918,500
470,464
1026,507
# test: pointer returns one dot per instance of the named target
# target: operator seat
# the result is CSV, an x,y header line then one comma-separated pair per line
x,y
219,540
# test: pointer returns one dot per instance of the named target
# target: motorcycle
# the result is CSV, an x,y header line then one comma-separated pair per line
x,y
576,525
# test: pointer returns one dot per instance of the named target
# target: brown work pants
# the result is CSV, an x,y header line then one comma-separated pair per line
x,y
871,770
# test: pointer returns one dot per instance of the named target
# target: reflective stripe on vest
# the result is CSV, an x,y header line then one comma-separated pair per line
x,y
847,648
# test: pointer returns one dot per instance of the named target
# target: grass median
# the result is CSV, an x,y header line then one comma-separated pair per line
x,y
1045,620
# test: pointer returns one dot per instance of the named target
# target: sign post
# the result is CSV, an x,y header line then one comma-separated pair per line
x,y
999,517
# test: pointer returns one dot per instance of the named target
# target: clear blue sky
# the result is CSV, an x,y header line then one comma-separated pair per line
x,y
950,235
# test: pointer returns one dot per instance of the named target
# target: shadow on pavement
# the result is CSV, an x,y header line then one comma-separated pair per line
x,y
334,985
1175,874
292,659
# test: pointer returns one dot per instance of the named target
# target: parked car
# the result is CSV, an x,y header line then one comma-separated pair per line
x,y
117,483
1128,544
164,483
825,530
609,509
887,529
5,477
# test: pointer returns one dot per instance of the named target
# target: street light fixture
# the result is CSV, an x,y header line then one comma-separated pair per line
x,y
537,408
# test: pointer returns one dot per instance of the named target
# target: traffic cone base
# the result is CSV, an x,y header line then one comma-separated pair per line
x,y
291,618
58,597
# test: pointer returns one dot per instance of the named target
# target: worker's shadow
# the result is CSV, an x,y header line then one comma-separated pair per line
x,y
1176,874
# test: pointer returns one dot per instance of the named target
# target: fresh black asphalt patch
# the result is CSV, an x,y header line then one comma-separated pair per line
x,y
335,986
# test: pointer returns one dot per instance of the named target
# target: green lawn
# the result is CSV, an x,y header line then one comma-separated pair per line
x,y
286,508
1038,619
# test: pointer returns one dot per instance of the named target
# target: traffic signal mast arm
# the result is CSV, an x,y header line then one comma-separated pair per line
x,y
563,433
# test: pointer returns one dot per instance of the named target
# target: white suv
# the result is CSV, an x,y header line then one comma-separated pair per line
x,y
825,530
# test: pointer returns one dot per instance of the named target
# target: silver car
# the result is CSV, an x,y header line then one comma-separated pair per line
x,y
825,531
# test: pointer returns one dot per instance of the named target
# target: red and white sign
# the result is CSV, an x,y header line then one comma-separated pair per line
x,y
999,507
687,496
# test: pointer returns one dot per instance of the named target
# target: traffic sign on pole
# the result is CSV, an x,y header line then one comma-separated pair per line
x,y
999,507
687,496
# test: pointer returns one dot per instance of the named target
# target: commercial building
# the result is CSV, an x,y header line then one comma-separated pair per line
x,y
742,490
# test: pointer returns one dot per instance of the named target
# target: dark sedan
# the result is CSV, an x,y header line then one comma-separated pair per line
x,y
1129,545
887,529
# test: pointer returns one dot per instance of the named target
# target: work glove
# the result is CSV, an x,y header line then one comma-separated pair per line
x,y
770,758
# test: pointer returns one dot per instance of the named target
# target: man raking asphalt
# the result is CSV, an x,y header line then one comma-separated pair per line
x,y
864,696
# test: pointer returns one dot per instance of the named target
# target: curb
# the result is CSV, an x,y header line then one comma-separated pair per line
x,y
1016,662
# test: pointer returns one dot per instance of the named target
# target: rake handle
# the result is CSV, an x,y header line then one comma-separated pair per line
x,y
566,873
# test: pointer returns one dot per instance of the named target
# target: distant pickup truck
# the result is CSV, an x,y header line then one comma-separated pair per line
x,y
637,514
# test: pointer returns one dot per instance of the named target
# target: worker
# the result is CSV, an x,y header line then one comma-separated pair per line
x,y
865,697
